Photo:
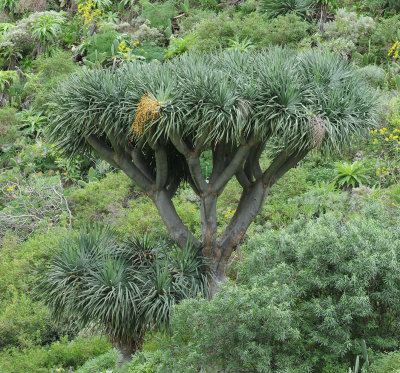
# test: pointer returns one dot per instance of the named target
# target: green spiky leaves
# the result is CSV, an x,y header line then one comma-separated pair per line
x,y
124,287
278,94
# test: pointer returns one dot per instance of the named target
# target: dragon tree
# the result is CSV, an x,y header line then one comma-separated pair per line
x,y
154,120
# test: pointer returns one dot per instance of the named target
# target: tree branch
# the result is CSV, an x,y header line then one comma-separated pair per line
x,y
161,163
193,161
122,161
237,160
218,153
242,178
281,164
178,231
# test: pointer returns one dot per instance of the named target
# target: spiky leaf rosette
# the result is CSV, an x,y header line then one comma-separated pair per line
x,y
275,8
124,287
274,95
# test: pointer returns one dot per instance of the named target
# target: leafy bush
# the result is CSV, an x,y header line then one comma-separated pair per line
x,y
124,287
99,364
100,45
50,71
159,14
306,298
386,363
63,354
178,46
374,74
8,135
350,26
24,322
384,36
213,33
47,29
351,30
148,34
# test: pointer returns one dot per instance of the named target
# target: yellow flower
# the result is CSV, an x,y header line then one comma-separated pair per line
x,y
10,189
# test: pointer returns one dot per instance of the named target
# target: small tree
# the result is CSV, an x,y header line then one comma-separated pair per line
x,y
153,121
125,287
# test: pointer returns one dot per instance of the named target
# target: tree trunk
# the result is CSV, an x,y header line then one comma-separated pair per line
x,y
126,351
249,206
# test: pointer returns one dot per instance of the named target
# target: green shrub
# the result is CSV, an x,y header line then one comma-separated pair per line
x,y
213,33
350,26
350,175
150,51
99,364
99,45
384,36
24,322
159,14
47,29
62,354
386,363
284,30
306,298
8,135
375,75
349,32
50,71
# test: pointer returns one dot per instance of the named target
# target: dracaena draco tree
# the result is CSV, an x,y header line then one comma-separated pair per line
x,y
153,121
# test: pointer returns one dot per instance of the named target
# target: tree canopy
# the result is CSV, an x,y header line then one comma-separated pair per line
x,y
154,120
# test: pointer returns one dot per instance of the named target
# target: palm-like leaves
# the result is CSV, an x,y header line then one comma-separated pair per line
x,y
350,175
275,8
124,287
276,95
47,27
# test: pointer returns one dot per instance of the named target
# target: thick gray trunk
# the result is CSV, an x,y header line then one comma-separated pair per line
x,y
249,206
208,212
177,230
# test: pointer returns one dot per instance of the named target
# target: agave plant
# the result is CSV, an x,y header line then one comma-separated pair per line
x,y
240,45
350,175
275,8
125,287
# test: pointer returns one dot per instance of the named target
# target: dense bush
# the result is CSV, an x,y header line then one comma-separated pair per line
x,y
159,14
57,356
24,321
50,71
215,32
102,363
8,135
306,298
386,363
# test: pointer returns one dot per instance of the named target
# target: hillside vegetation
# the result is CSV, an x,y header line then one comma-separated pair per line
x,y
90,279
